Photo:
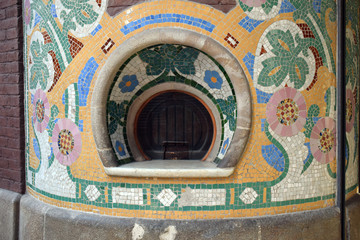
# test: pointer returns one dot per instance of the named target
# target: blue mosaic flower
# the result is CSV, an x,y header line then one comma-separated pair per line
x,y
120,148
225,146
213,79
128,83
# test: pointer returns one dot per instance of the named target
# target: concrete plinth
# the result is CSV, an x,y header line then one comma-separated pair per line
x,y
42,221
9,214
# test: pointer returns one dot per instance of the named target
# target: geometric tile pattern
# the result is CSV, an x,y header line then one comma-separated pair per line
x,y
92,193
166,197
248,196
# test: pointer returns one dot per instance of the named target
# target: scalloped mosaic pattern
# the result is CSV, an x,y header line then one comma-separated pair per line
x,y
286,50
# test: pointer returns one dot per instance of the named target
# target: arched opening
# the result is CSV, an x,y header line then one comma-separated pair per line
x,y
174,126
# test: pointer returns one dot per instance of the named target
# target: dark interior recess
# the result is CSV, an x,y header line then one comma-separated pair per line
x,y
174,125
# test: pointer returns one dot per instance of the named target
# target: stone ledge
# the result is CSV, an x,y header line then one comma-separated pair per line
x,y
9,214
42,221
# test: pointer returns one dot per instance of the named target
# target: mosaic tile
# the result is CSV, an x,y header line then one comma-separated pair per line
x,y
107,46
231,40
167,18
286,49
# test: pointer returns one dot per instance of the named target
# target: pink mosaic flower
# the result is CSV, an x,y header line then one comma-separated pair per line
x,y
66,141
323,140
253,3
41,110
27,12
286,112
350,110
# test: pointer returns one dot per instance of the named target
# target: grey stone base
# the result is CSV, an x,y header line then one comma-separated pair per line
x,y
42,221
9,214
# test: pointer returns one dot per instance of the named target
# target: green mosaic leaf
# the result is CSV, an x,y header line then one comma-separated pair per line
x,y
184,61
307,164
268,5
286,61
273,72
313,111
81,11
116,115
166,58
39,72
228,108
154,60
51,124
54,111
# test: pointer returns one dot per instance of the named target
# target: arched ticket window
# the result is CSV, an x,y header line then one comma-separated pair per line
x,y
170,109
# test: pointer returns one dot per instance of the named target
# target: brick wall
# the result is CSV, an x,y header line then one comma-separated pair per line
x,y
116,6
12,171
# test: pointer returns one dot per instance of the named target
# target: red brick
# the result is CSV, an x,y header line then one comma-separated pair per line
x,y
228,2
11,89
13,154
13,11
11,78
10,23
2,35
223,8
10,132
16,165
4,163
4,183
115,3
10,122
13,33
18,187
2,14
7,3
11,174
8,111
208,2
9,45
10,143
10,67
12,100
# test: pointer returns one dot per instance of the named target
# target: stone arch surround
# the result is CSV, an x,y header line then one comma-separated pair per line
x,y
172,36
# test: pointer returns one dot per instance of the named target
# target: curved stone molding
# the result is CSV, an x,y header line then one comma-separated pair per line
x,y
171,36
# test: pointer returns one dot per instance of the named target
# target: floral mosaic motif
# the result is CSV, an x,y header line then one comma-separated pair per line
x,y
350,110
286,61
228,108
116,115
66,141
213,79
165,58
120,149
78,16
128,83
41,110
322,140
286,112
284,58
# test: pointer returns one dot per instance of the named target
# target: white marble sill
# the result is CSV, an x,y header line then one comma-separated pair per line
x,y
170,169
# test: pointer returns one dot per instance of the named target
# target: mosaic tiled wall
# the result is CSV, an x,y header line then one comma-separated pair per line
x,y
287,50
